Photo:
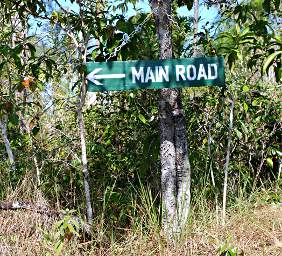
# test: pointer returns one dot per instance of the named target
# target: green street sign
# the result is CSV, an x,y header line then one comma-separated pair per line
x,y
155,74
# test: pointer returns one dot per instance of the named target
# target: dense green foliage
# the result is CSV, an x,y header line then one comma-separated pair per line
x,y
40,83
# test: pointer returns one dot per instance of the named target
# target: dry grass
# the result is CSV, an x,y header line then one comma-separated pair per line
x,y
254,229
257,231
22,233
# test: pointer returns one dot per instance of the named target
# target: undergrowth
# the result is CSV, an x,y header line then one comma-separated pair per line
x,y
253,227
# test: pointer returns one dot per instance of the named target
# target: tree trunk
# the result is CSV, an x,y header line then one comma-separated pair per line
x,y
3,126
100,6
84,162
81,103
175,167
183,169
227,158
196,23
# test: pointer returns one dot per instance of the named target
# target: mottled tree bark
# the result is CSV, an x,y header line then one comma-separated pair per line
x,y
175,168
183,169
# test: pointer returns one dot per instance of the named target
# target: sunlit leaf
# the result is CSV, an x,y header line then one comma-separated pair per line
x,y
142,118
269,60
269,162
255,103
246,88
245,106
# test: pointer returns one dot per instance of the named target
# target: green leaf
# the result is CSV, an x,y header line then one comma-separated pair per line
x,y
245,41
4,49
94,54
142,119
269,59
277,4
245,106
40,85
54,18
255,103
35,68
269,162
58,247
17,61
121,25
32,49
244,128
75,223
279,153
14,119
246,88
239,134
18,49
266,5
2,65
278,40
231,59
188,3
35,130
72,230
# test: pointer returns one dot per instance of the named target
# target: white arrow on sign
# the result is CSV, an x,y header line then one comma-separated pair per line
x,y
93,77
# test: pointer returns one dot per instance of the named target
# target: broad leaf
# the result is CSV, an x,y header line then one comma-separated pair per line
x,y
142,119
269,60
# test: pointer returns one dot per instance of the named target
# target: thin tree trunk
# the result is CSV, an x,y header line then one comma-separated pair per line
x,y
84,163
38,178
4,118
196,24
100,6
3,126
227,159
82,128
82,49
175,168
83,150
279,169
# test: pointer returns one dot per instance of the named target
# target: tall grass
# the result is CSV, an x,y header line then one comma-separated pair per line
x,y
141,234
